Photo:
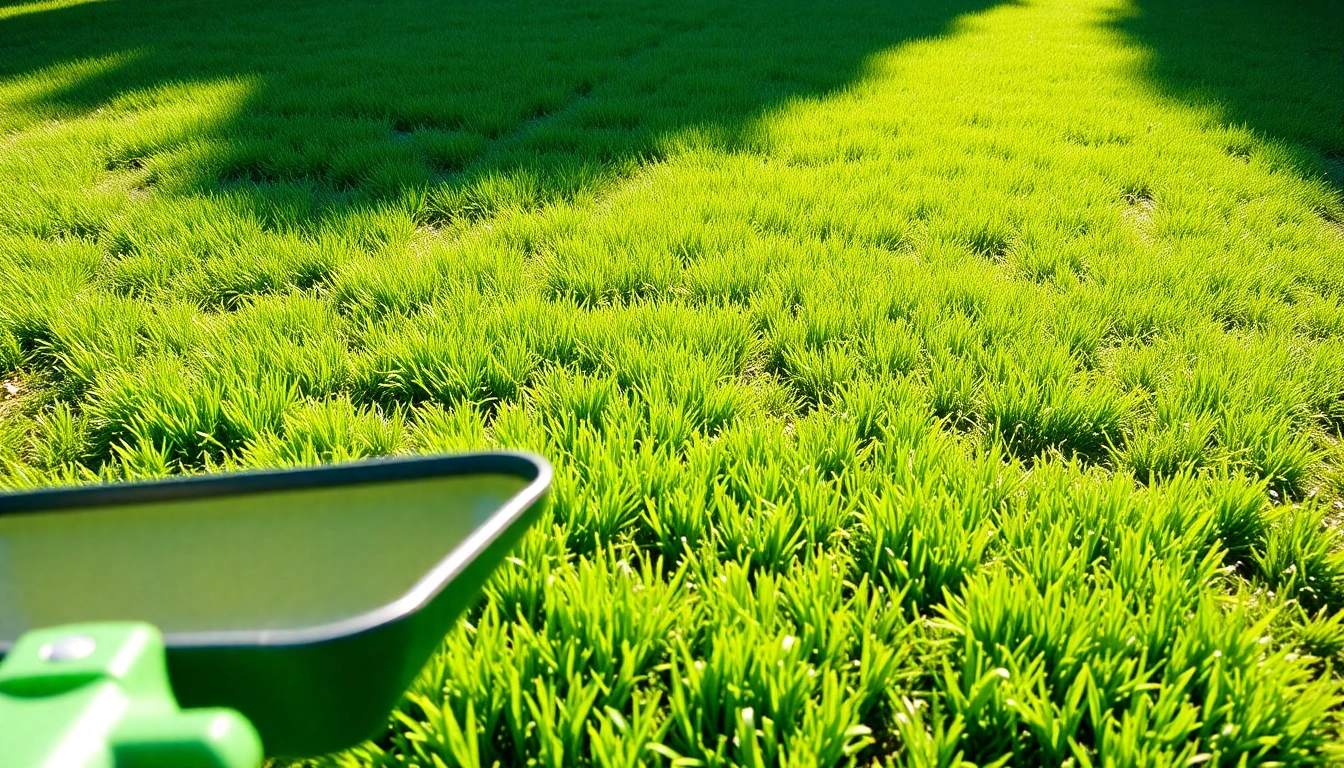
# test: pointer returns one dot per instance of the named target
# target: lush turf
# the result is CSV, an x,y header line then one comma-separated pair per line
x,y
929,383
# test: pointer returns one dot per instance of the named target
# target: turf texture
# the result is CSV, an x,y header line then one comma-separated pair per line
x,y
934,383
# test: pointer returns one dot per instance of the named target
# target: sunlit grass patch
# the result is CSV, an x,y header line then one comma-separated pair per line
x,y
928,383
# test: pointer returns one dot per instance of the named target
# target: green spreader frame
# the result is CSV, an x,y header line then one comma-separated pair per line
x,y
307,600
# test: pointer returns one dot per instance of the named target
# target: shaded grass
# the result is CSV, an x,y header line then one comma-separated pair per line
x,y
927,384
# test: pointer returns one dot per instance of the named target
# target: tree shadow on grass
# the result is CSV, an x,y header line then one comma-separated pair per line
x,y
1277,68
469,105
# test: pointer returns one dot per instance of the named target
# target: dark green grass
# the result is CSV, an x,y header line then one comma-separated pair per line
x,y
1269,68
473,107
944,384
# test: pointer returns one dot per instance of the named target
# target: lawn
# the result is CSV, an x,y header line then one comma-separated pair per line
x,y
929,382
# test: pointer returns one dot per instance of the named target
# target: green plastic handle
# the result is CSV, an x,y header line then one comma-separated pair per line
x,y
98,696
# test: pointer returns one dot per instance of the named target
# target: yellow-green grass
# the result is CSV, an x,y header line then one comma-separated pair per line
x,y
928,383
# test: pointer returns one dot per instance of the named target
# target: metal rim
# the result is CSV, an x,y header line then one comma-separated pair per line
x,y
528,466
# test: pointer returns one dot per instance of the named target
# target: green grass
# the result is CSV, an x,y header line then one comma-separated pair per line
x,y
928,383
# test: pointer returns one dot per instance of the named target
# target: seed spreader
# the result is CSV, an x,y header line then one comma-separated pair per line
x,y
208,621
